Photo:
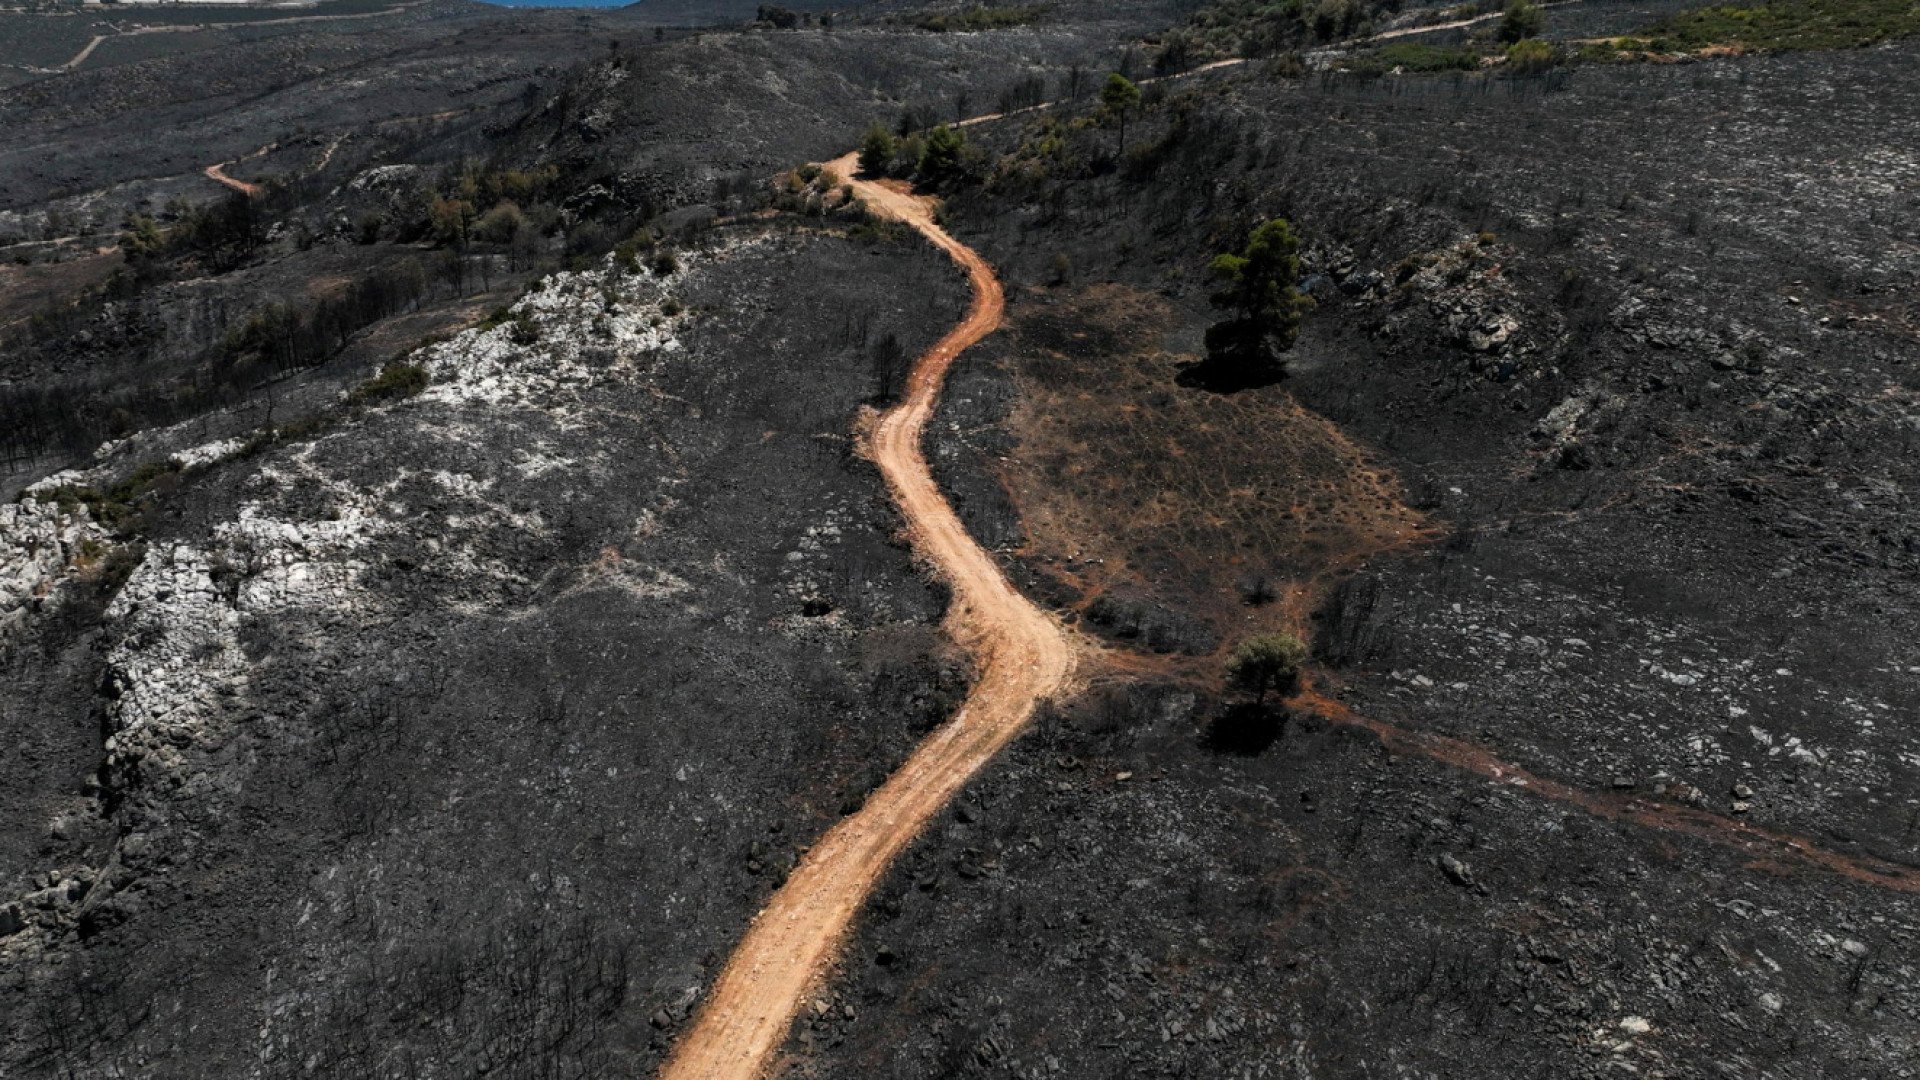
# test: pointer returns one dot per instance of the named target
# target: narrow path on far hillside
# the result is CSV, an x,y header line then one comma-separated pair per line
x,y
1242,61
1023,656
1457,24
138,30
218,173
81,56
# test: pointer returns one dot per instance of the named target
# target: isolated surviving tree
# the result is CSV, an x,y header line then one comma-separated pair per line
x,y
1269,662
941,158
1259,288
1521,20
1121,97
876,151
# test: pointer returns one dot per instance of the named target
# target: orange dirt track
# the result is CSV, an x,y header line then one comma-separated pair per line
x,y
1023,657
218,174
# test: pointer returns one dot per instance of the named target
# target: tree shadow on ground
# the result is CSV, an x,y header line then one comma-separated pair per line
x,y
1222,375
1245,729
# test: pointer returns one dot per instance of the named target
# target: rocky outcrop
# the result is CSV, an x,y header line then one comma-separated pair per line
x,y
40,544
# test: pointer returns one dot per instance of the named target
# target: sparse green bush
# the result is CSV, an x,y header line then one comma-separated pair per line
x,y
1267,663
1530,56
119,508
498,225
142,238
1784,25
1523,19
1414,57
1287,65
397,380
627,254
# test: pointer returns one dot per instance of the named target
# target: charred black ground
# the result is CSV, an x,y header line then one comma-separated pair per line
x,y
479,600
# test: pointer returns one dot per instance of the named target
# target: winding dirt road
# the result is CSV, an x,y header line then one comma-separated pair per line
x,y
1023,657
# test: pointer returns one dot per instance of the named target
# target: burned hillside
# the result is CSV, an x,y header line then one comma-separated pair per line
x,y
459,574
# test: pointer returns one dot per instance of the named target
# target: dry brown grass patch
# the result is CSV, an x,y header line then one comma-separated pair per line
x,y
1195,499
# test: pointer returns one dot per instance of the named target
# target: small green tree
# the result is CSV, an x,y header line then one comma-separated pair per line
x,y
1121,97
876,152
1521,20
1269,662
1259,286
944,150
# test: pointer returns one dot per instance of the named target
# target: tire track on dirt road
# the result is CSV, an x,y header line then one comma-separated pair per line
x,y
1023,656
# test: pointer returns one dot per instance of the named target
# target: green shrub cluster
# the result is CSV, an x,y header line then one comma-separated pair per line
x,y
935,156
118,508
398,380
1530,56
1414,56
1783,25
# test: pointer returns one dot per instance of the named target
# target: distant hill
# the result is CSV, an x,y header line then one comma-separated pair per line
x,y
690,11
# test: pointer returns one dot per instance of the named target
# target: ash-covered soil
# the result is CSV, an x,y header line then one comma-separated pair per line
x,y
1114,900
464,734
1635,342
501,708
353,129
